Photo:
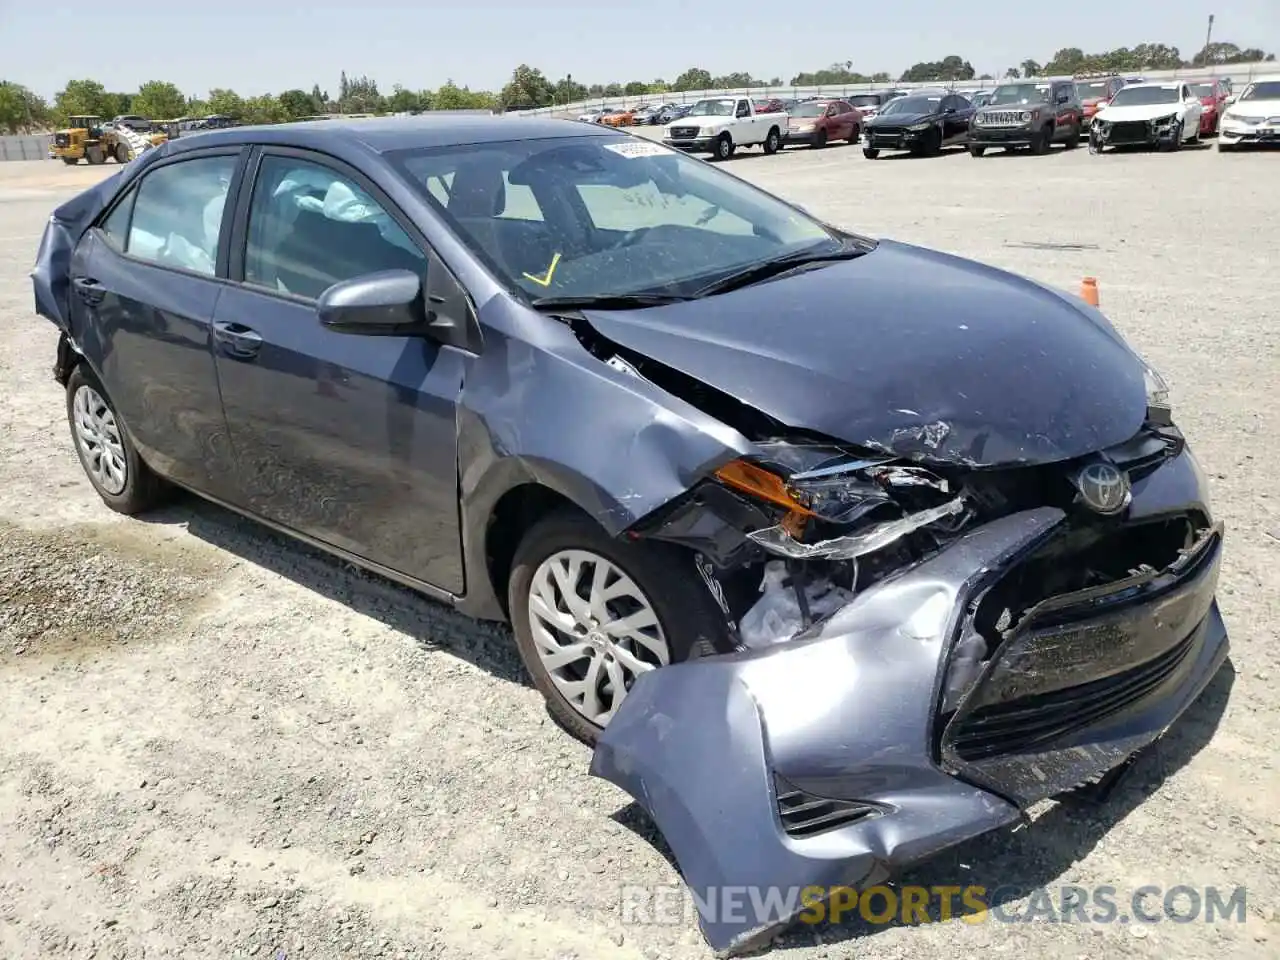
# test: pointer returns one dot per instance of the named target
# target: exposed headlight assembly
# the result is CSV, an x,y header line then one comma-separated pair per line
x,y
1165,121
1159,405
919,127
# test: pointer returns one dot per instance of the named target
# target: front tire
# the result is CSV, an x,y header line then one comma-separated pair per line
x,y
95,154
870,152
724,147
1040,145
976,151
122,153
70,161
1073,138
592,612
110,460
819,140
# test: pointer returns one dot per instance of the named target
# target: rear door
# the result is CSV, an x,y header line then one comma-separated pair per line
x,y
145,283
347,439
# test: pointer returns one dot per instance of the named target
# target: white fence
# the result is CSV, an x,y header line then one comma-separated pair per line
x,y
1239,74
35,147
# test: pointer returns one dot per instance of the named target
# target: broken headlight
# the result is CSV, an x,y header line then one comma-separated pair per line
x,y
1159,406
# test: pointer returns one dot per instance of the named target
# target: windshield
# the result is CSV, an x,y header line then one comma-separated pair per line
x,y
1143,96
605,216
912,105
809,110
713,108
1263,90
1095,90
866,100
1204,89
1009,94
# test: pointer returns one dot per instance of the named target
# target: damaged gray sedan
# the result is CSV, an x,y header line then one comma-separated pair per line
x,y
840,551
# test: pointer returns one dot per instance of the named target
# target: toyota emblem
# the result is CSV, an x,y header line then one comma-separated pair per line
x,y
1103,487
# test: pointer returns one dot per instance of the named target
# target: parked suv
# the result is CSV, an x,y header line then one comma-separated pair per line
x,y
1028,113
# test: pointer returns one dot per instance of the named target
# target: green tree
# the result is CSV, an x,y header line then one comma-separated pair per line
x,y
298,103
947,69
84,98
613,90
527,88
736,81
636,88
452,97
20,109
695,78
1220,54
400,101
159,100
264,109
360,95
226,103
837,73
1013,73
569,90
1031,69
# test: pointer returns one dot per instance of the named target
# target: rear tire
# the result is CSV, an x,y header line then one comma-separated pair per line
x,y
122,153
772,142
1073,138
110,460
70,161
855,135
687,621
95,155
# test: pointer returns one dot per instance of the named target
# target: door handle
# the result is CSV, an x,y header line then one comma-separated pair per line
x,y
237,340
88,290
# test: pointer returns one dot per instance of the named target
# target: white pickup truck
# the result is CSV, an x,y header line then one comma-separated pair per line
x,y
719,125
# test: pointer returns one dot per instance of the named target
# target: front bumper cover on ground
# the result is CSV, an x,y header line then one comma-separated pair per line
x,y
843,722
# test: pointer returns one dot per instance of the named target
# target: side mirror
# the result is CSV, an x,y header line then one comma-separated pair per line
x,y
1230,100
392,303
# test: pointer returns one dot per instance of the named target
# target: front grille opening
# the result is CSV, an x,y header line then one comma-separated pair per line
x,y
806,815
1028,723
1088,554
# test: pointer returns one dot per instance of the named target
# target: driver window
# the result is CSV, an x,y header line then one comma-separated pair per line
x,y
743,109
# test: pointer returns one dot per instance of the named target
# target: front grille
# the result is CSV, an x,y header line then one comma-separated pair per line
x,y
1130,131
1002,118
805,815
1026,724
683,133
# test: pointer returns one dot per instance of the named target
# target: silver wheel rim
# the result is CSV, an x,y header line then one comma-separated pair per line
x,y
98,437
594,630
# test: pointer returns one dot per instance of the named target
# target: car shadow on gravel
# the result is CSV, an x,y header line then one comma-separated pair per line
x,y
1012,863
433,625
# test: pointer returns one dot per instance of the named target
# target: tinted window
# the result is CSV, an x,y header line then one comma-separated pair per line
x,y
116,227
907,105
177,213
1145,96
310,227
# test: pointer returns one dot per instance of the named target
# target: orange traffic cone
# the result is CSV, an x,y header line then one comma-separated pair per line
x,y
1089,291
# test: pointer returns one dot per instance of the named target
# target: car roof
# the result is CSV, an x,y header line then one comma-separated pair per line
x,y
382,134
1162,84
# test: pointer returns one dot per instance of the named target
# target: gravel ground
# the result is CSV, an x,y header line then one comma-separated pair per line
x,y
218,743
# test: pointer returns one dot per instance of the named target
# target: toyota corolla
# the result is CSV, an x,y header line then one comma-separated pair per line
x,y
839,550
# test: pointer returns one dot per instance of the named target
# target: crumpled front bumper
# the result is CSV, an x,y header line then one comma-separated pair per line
x,y
729,754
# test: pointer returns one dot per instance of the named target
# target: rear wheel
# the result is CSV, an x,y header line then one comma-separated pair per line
x,y
110,460
592,612
70,161
724,147
854,134
1073,138
95,154
122,153
772,141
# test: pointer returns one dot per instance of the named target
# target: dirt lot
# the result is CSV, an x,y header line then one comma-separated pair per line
x,y
217,743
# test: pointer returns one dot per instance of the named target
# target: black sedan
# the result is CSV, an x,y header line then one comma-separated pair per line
x,y
922,123
841,551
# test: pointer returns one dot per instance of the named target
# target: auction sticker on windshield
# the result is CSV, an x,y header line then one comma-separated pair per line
x,y
640,148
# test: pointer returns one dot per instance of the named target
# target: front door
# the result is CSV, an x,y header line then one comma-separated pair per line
x,y
348,439
147,275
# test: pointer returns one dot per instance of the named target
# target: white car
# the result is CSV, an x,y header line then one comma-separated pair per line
x,y
1252,117
1158,114
591,116
719,125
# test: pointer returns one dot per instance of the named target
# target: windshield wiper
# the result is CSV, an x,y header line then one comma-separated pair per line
x,y
608,301
849,250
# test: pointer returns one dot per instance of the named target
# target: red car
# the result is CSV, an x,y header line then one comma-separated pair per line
x,y
1213,95
1095,92
818,122
769,106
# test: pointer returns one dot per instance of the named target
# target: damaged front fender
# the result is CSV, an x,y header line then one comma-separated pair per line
x,y
842,713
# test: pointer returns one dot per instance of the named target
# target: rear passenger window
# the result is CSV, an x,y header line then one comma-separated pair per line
x,y
177,214
310,227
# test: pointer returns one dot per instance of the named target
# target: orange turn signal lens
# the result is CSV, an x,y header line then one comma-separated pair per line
x,y
760,483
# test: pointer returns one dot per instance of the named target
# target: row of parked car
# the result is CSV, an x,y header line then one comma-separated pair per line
x,y
1035,114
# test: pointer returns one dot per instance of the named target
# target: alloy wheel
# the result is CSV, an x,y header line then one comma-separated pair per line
x,y
594,629
98,437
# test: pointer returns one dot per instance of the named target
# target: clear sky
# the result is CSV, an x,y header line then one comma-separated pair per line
x,y
261,46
